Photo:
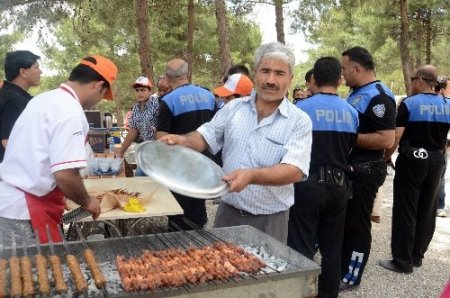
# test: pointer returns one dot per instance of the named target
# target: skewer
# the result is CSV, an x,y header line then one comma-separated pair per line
x,y
41,268
74,267
14,269
55,263
26,269
89,258
3,264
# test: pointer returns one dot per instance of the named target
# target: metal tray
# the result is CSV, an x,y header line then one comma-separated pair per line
x,y
181,170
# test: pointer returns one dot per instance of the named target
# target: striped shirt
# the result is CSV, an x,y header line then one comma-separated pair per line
x,y
145,120
282,138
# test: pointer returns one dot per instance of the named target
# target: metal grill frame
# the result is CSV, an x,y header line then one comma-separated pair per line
x,y
108,249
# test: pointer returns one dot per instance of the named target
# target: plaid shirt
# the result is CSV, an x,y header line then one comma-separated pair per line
x,y
282,138
145,120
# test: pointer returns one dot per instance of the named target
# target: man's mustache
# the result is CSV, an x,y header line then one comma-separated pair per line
x,y
271,87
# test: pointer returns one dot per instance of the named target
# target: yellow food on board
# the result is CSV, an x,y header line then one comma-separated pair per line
x,y
133,205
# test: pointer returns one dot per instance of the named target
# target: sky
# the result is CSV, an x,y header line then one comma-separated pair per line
x,y
265,18
263,15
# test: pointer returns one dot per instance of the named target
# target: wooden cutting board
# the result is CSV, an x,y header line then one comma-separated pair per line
x,y
159,200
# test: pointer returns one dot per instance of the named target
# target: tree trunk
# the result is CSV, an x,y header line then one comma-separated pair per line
x,y
404,45
190,38
222,30
279,20
418,60
143,31
428,36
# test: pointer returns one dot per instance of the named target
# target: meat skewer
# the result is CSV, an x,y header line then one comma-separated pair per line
x,y
55,264
14,269
26,269
3,264
89,258
74,267
41,268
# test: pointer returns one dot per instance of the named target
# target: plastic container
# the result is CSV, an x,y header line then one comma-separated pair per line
x,y
111,144
116,133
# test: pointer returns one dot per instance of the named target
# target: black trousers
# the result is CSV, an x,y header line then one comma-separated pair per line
x,y
194,210
318,214
357,232
416,184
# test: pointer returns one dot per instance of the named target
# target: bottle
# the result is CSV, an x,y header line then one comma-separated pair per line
x,y
111,144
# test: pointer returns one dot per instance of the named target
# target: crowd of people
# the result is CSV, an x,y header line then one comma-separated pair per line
x,y
306,173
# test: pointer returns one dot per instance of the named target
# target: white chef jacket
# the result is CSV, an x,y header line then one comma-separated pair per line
x,y
49,136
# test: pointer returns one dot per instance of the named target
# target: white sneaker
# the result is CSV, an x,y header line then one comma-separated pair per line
x,y
441,213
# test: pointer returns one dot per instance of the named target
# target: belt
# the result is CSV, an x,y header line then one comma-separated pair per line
x,y
422,153
241,212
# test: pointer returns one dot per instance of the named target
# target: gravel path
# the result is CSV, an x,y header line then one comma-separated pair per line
x,y
426,281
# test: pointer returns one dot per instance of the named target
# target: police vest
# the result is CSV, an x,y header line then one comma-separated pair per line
x,y
335,126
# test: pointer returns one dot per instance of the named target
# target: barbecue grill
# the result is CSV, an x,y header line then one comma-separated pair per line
x,y
297,279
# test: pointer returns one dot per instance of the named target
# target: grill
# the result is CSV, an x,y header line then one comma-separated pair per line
x,y
296,279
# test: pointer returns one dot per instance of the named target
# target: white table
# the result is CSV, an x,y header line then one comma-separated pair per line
x,y
160,200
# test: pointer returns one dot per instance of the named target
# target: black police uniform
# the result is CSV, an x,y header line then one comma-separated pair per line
x,y
13,101
426,118
181,111
320,202
375,104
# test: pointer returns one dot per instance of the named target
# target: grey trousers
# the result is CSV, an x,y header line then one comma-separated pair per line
x,y
275,225
22,231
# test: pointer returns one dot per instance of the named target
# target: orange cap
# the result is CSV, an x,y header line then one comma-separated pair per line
x,y
106,69
236,84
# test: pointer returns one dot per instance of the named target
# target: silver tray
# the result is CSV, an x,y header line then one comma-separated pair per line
x,y
181,170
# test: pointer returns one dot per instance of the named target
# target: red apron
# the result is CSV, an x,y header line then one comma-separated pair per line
x,y
46,210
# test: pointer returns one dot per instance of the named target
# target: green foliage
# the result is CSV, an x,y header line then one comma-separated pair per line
x,y
6,42
334,26
83,27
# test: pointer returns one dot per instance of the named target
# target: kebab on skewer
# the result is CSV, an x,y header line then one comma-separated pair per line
x,y
74,267
3,264
55,264
41,268
174,267
89,258
26,269
14,270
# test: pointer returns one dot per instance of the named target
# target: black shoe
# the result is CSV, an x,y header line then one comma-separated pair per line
x,y
417,262
390,265
346,287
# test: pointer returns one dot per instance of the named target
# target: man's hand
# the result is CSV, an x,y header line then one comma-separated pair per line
x,y
171,139
94,207
239,179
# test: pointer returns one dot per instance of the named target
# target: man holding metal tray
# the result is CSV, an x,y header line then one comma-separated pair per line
x,y
266,143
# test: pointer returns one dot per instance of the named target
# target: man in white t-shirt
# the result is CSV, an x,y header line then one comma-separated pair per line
x,y
46,151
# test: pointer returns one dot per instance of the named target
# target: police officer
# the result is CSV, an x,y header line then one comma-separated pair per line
x,y
376,109
320,201
423,122
183,110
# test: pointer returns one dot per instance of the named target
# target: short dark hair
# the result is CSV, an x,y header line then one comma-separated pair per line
x,y
84,74
16,60
361,56
308,75
297,88
238,68
327,72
